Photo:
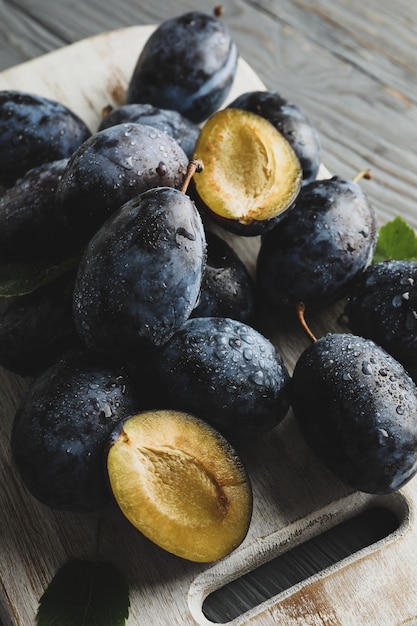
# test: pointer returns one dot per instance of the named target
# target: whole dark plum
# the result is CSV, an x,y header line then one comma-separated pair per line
x,y
383,306
31,227
225,372
324,243
188,64
227,288
35,130
357,408
183,130
61,430
37,328
113,166
140,276
288,118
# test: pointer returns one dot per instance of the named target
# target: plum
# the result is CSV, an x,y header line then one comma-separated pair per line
x,y
180,483
225,372
357,409
227,288
250,177
61,429
188,64
37,328
140,275
172,122
31,227
35,130
288,118
382,306
316,253
113,166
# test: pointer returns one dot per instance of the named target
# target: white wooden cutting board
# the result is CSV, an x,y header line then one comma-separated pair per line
x,y
294,497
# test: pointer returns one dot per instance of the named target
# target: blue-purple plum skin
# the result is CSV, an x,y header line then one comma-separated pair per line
x,y
140,275
61,429
357,409
188,64
35,130
225,372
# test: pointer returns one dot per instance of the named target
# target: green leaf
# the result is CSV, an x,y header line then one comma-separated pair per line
x,y
85,593
396,240
17,279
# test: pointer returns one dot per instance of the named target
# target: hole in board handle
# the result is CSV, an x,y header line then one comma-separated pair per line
x,y
348,532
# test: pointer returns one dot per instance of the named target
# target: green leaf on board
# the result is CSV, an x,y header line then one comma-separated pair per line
x,y
396,240
85,593
17,279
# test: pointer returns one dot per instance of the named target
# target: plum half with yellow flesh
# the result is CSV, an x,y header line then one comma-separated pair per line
x,y
250,173
180,483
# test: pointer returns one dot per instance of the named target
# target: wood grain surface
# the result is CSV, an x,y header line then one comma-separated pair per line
x,y
351,67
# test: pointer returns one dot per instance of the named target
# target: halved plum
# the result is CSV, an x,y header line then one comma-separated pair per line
x,y
250,176
180,483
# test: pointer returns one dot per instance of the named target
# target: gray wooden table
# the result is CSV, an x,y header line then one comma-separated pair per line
x,y
350,65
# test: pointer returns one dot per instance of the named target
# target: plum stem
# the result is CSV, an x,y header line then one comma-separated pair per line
x,y
105,111
366,174
300,308
195,165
